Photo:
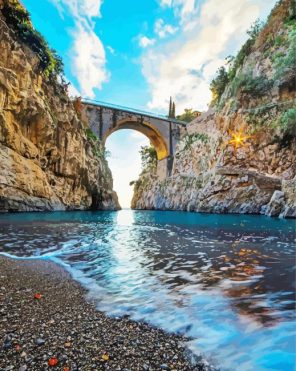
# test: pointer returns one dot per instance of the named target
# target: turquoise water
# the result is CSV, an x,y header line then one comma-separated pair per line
x,y
225,281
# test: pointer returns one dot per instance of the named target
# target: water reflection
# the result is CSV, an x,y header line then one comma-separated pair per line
x,y
228,282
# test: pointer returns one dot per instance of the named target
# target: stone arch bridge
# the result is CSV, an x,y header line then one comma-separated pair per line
x,y
162,131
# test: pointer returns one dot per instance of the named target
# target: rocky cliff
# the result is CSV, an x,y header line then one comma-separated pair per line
x,y
48,158
239,157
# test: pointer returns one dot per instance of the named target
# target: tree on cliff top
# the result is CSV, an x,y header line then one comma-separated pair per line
x,y
172,109
223,77
188,115
269,39
219,84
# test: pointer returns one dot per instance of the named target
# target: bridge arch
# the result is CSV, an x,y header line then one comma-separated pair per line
x,y
144,127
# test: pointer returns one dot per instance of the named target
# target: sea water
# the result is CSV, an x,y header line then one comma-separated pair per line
x,y
225,281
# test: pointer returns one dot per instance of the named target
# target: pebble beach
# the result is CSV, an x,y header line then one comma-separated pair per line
x,y
47,323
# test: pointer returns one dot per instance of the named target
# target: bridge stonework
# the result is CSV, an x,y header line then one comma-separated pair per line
x,y
163,133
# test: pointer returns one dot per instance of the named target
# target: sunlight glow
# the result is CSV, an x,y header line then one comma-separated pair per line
x,y
238,139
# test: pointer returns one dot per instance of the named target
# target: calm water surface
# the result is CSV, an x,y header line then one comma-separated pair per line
x,y
226,281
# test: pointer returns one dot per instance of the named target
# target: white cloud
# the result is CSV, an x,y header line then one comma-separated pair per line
x,y
184,67
187,8
111,50
144,41
90,8
184,9
87,53
73,91
210,69
80,8
88,61
164,3
162,29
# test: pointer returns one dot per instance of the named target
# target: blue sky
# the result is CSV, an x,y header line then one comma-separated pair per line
x,y
138,53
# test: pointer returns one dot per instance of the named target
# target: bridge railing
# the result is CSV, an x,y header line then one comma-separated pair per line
x,y
132,110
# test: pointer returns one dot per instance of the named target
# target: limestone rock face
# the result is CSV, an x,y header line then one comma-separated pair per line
x,y
211,173
275,204
289,189
204,180
46,160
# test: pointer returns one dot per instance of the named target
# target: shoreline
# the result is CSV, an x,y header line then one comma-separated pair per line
x,y
64,325
20,212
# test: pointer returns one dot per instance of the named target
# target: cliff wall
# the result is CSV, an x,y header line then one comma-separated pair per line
x,y
48,160
240,155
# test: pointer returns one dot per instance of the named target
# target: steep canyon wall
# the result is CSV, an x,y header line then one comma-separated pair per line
x,y
255,173
47,159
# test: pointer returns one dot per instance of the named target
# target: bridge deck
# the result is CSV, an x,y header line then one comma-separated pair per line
x,y
132,110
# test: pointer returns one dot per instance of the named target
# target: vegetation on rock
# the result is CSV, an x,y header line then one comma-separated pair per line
x,y
18,18
172,109
189,139
236,62
275,40
188,115
219,84
277,117
285,63
288,122
91,135
224,77
97,147
254,99
148,157
254,86
250,85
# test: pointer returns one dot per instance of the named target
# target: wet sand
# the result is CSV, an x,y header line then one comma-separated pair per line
x,y
63,327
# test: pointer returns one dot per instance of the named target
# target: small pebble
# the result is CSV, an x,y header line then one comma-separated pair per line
x,y
7,345
39,342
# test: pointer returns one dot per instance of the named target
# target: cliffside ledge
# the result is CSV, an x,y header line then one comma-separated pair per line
x,y
47,159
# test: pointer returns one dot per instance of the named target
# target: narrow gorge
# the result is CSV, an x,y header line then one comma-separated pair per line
x,y
240,155
204,280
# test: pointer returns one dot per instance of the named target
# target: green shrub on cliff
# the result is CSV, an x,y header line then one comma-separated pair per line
x,y
189,139
148,157
188,115
219,84
97,147
237,62
254,86
224,77
91,135
288,122
100,151
285,63
18,18
273,118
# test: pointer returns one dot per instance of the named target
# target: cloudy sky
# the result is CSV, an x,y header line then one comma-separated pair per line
x,y
139,53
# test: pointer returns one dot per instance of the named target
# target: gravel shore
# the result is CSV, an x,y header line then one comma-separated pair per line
x,y
61,330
